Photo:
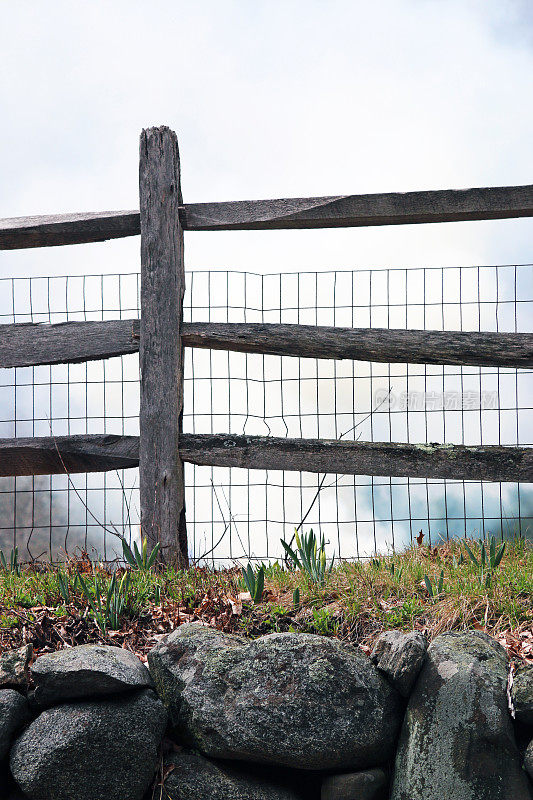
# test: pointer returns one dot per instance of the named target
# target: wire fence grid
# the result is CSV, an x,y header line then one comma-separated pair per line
x,y
237,513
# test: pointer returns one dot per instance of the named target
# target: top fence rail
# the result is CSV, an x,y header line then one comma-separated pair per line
x,y
342,211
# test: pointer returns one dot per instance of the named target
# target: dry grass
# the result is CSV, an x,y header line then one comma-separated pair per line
x,y
357,602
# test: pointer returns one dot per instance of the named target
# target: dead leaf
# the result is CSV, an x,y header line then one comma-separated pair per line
x,y
236,606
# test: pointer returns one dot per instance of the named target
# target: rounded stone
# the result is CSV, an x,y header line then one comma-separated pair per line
x,y
193,777
371,784
91,750
89,670
14,667
292,699
522,694
14,713
400,656
457,740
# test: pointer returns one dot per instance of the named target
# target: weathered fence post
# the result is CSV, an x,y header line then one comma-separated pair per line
x,y
161,469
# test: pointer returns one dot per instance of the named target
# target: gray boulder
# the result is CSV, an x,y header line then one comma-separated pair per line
x,y
400,657
371,784
522,694
91,750
292,699
193,777
528,760
14,713
90,670
457,740
14,667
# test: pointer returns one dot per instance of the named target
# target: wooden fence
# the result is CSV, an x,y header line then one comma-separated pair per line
x,y
161,335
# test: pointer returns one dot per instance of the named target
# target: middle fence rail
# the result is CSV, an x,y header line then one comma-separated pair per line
x,y
161,336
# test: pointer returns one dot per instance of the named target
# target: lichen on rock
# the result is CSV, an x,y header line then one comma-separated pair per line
x,y
14,667
522,694
292,699
89,670
91,750
457,739
400,656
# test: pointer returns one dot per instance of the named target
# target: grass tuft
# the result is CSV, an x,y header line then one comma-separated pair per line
x,y
354,601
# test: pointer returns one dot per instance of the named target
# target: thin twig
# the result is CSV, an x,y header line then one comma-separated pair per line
x,y
321,484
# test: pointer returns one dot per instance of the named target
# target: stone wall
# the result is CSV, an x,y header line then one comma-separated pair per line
x,y
289,716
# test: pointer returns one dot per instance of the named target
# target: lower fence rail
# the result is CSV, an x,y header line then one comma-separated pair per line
x,y
102,452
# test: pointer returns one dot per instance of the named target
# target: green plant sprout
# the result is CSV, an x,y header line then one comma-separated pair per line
x,y
311,556
140,559
12,565
254,581
435,590
296,598
107,606
488,559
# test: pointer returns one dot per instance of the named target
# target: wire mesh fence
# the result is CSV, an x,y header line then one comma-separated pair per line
x,y
236,513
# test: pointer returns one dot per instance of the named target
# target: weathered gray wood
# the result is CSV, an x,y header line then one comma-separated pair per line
x,y
57,229
29,344
98,453
162,486
490,463
58,455
365,209
365,344
341,211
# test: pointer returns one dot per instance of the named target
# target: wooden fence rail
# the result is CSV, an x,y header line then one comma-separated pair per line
x,y
161,335
32,344
342,211
100,453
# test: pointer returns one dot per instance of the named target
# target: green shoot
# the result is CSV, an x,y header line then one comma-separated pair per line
x,y
311,556
435,590
254,581
140,559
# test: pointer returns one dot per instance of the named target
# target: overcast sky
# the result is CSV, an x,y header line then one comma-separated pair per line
x,y
269,99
